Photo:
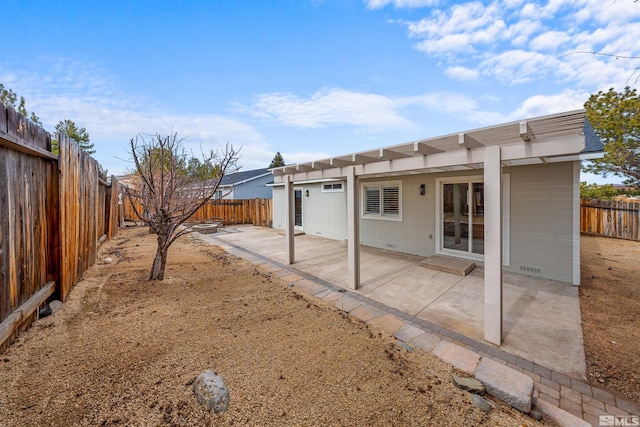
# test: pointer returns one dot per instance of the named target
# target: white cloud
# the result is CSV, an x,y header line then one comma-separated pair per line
x,y
541,105
448,45
370,113
462,18
620,11
82,92
518,66
519,42
330,107
304,156
462,73
400,4
551,40
520,32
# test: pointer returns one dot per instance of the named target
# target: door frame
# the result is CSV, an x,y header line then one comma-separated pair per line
x,y
470,179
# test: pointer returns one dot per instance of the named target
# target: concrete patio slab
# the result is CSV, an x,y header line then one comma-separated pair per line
x,y
541,317
413,291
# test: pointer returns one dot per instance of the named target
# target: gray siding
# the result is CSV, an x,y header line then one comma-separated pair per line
x,y
542,220
254,189
541,239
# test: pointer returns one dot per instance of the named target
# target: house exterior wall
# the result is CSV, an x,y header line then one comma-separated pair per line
x,y
540,225
278,207
254,189
542,220
324,213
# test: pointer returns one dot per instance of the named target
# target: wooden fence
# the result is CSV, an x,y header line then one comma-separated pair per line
x,y
53,211
249,211
610,218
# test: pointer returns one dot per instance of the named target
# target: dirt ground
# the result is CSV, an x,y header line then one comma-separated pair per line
x,y
125,351
610,307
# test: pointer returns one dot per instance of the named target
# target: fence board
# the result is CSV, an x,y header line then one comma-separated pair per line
x,y
245,211
80,213
25,230
28,195
610,218
52,212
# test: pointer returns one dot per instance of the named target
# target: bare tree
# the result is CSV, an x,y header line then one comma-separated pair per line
x,y
170,190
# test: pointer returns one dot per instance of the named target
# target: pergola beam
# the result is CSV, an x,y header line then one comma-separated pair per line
x,y
386,154
525,131
339,162
363,159
467,141
303,167
320,165
425,149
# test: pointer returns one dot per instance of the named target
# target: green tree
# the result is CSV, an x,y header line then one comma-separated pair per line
x,y
615,117
80,135
200,170
596,191
9,98
277,161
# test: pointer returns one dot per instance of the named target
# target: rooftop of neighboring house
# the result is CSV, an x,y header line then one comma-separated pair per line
x,y
243,176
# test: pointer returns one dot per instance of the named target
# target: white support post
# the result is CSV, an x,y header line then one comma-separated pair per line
x,y
353,229
493,245
289,215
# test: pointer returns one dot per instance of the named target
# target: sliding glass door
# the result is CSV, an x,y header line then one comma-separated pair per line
x,y
462,216
297,192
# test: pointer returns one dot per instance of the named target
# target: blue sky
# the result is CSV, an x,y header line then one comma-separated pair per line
x,y
309,78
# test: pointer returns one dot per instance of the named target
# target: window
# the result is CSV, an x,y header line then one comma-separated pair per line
x,y
372,201
332,187
382,201
217,195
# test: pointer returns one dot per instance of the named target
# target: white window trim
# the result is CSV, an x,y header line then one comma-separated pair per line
x,y
380,216
333,190
506,217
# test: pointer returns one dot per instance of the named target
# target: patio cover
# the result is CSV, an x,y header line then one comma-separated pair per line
x,y
554,138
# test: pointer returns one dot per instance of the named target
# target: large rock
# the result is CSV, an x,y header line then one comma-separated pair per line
x,y
512,387
481,403
55,306
468,384
211,390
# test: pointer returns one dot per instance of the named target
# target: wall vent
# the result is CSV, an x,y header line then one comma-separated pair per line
x,y
528,269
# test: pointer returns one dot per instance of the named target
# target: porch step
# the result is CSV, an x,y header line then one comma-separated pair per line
x,y
458,266
295,232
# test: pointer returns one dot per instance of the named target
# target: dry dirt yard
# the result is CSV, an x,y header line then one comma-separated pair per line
x,y
125,351
610,307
